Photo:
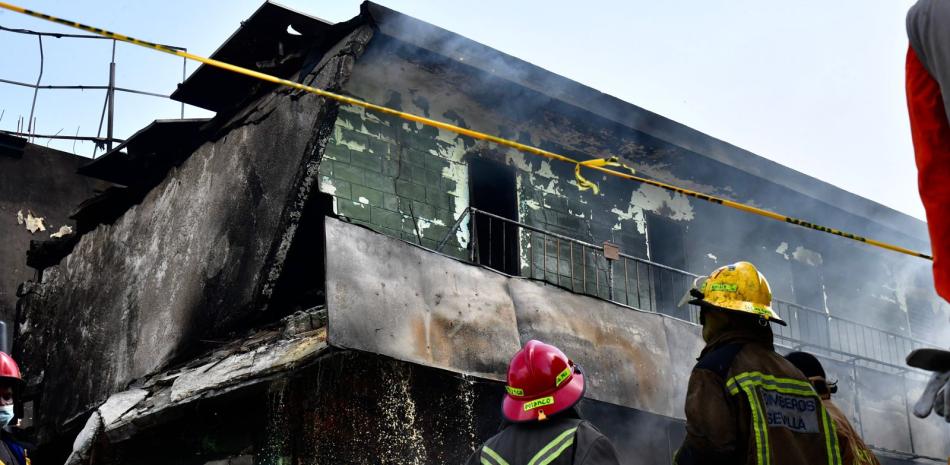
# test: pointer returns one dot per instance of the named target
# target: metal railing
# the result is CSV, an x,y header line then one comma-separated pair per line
x,y
581,267
603,271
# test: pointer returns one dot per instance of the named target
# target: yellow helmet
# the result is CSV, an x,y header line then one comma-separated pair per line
x,y
737,287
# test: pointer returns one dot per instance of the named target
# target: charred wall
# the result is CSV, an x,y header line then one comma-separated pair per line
x,y
470,319
358,408
198,257
43,182
412,181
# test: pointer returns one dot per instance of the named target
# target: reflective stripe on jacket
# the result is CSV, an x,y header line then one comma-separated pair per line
x,y
853,449
746,404
557,441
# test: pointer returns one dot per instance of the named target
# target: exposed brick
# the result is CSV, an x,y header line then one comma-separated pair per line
x,y
390,202
435,232
348,135
439,199
341,189
387,219
435,179
423,210
373,196
378,130
336,152
437,164
377,146
391,167
354,210
379,182
367,160
411,190
350,173
326,167
415,157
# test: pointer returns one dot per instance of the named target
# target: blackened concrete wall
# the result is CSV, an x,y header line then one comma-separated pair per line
x,y
197,257
363,409
412,181
42,181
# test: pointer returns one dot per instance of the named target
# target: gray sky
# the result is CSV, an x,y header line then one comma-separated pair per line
x,y
813,85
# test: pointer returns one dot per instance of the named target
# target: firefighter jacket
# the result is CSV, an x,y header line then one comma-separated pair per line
x,y
853,449
557,441
746,404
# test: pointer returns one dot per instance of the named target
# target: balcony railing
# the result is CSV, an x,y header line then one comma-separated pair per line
x,y
605,272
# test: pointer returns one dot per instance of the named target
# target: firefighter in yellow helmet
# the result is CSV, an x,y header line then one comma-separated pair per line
x,y
745,403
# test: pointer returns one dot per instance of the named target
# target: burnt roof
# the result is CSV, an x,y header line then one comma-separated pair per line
x,y
148,154
461,49
260,43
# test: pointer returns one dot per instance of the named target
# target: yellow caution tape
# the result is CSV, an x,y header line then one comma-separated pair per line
x,y
582,182
599,164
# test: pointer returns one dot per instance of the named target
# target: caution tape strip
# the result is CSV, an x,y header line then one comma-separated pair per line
x,y
599,164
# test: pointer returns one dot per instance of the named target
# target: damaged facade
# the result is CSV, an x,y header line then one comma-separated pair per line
x,y
39,190
299,281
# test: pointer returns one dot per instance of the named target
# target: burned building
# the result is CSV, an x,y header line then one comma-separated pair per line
x,y
299,281
39,190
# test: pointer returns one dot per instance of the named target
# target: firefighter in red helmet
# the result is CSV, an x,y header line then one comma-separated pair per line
x,y
542,424
11,451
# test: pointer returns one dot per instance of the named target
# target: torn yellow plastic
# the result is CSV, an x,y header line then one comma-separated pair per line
x,y
582,182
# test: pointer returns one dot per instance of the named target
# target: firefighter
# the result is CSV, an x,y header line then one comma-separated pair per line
x,y
745,403
853,449
542,423
12,451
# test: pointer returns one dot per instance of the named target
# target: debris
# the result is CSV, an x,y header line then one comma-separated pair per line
x,y
63,232
33,223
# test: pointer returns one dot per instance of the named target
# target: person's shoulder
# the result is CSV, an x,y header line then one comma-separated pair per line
x,y
720,360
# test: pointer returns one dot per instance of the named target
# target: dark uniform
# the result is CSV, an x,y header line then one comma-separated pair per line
x,y
560,440
748,405
11,451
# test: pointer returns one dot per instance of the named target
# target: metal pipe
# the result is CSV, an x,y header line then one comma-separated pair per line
x,y
458,222
82,87
42,136
30,127
571,244
109,126
60,35
184,70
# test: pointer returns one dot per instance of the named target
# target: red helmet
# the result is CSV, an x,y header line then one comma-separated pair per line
x,y
8,368
542,381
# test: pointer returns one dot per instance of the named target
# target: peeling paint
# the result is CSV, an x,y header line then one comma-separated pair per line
x,y
808,257
326,185
33,223
62,232
781,249
658,200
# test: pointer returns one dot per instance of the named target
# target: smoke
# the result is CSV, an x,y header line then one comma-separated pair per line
x,y
847,296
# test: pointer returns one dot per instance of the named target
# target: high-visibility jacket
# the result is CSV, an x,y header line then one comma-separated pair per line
x,y
853,449
746,404
556,441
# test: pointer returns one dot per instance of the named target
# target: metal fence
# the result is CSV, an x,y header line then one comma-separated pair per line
x,y
605,272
